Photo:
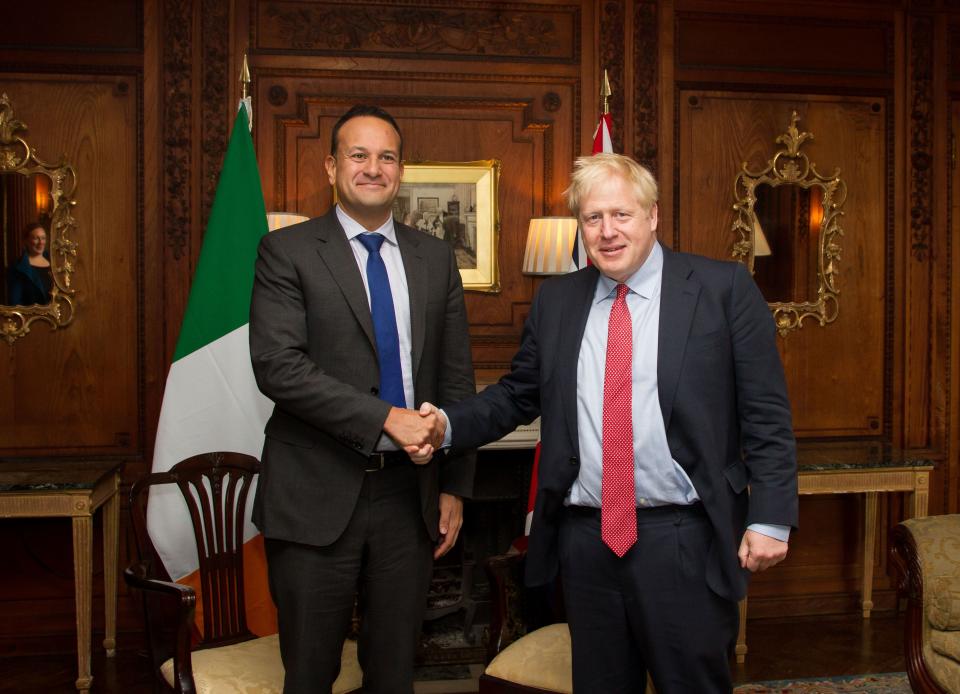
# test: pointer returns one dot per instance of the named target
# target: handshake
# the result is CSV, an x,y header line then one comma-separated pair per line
x,y
419,433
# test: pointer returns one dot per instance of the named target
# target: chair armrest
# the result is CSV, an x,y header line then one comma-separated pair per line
x,y
184,601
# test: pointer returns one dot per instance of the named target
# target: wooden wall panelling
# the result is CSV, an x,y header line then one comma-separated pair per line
x,y
76,391
953,302
920,228
835,373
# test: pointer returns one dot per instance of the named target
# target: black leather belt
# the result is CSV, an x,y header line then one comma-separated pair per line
x,y
388,459
695,509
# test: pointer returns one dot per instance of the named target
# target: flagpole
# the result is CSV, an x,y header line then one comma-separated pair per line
x,y
605,93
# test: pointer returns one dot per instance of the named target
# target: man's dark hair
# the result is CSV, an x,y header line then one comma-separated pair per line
x,y
364,110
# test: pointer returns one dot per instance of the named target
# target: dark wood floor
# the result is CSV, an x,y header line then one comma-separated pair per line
x,y
779,649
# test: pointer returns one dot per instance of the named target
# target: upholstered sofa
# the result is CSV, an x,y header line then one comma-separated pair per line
x,y
927,552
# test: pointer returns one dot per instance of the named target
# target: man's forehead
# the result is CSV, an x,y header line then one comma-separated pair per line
x,y
357,132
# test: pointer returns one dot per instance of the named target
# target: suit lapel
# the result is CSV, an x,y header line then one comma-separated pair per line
x,y
678,302
417,285
335,252
575,310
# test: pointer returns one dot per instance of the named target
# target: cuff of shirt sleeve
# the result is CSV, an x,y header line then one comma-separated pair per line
x,y
448,433
777,532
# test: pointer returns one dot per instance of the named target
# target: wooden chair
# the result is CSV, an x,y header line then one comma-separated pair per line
x,y
227,657
927,554
529,646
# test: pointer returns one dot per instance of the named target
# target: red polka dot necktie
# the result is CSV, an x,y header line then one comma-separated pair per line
x,y
618,505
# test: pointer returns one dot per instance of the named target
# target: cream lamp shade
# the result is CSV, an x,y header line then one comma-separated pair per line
x,y
549,245
278,220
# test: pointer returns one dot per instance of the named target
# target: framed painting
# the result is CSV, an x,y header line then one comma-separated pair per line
x,y
457,202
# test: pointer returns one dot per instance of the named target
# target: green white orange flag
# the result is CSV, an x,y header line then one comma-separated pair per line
x,y
211,401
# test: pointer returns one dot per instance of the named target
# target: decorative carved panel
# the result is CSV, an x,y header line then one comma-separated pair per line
x,y
646,83
177,122
465,30
921,136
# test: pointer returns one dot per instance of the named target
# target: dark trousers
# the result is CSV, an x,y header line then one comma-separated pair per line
x,y
650,610
384,558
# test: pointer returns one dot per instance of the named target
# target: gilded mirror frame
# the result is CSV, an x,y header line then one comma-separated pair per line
x,y
17,156
790,166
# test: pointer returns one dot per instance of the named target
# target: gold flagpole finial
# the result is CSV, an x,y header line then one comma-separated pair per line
x,y
244,77
605,92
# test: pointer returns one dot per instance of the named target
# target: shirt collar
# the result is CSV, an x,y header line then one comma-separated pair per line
x,y
353,228
645,281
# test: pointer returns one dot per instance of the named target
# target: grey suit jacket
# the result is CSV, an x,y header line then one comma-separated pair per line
x,y
722,394
314,354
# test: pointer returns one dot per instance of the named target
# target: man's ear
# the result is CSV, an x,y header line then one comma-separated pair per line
x,y
330,164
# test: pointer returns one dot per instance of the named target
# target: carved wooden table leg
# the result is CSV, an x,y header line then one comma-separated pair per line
x,y
869,545
111,540
741,649
83,588
921,490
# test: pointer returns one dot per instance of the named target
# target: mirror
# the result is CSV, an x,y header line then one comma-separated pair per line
x,y
788,228
36,220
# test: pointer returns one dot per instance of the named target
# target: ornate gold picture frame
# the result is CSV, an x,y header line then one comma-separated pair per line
x,y
457,202
41,194
788,228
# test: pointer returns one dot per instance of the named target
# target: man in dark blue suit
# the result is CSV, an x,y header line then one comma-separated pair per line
x,y
662,399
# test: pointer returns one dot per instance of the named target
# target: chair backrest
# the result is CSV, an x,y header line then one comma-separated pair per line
x,y
215,487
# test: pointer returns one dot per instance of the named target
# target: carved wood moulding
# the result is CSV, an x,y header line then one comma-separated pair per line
x,y
921,136
177,110
215,39
612,33
645,105
466,30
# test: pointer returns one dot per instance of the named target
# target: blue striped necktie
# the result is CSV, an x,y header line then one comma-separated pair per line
x,y
384,322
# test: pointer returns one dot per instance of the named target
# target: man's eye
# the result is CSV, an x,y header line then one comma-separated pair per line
x,y
388,158
358,156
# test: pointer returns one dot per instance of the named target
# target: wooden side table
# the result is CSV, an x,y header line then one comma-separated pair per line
x,y
857,470
73,489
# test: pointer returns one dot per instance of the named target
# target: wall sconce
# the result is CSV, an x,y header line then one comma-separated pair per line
x,y
549,245
278,220
42,195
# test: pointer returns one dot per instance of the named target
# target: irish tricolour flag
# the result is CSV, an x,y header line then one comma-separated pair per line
x,y
211,401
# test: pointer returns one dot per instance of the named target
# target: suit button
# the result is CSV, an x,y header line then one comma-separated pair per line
x,y
374,391
574,460
357,445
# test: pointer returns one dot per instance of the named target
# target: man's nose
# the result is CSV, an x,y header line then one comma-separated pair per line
x,y
606,227
372,167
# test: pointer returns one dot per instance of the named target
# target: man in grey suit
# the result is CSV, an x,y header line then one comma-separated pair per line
x,y
355,318
662,398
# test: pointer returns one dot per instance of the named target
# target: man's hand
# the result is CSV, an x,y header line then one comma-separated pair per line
x,y
451,519
759,552
424,454
418,434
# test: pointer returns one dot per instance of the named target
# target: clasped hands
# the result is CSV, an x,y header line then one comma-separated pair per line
x,y
419,433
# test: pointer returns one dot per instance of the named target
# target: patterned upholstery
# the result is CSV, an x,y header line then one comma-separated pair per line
x,y
254,667
540,659
937,540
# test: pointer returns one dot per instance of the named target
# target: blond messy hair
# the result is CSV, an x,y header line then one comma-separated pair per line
x,y
592,170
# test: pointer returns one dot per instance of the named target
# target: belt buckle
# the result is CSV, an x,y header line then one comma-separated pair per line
x,y
375,462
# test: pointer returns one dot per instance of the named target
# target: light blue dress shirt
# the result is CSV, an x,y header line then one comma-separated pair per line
x,y
659,480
